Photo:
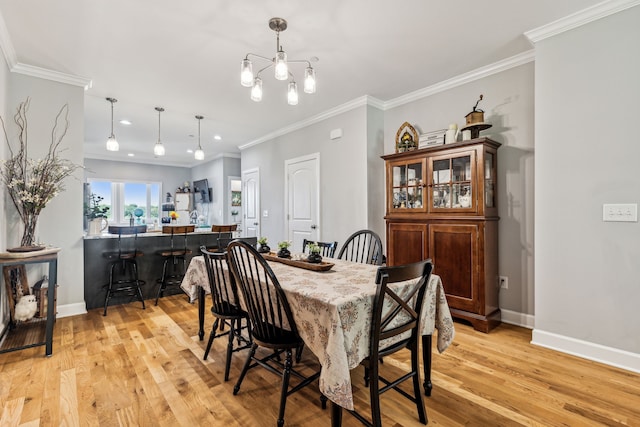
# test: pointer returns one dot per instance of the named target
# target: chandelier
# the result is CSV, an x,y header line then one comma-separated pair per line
x,y
281,69
112,142
158,149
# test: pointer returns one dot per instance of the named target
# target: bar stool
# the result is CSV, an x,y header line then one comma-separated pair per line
x,y
124,280
172,273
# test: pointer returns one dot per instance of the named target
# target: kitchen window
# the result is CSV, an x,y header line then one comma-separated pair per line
x,y
134,199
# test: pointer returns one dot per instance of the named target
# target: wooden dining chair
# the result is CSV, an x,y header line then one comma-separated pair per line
x,y
272,323
363,246
395,325
225,308
327,249
223,242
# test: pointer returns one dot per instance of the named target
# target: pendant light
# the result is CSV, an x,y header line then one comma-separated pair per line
x,y
158,149
199,154
112,142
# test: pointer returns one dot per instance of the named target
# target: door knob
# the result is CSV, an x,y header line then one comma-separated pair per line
x,y
255,223
313,227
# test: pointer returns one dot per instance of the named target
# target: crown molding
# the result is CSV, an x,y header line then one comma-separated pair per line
x,y
29,70
590,14
46,74
348,106
478,73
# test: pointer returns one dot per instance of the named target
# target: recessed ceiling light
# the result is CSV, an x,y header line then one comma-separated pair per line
x,y
125,122
131,155
189,150
217,137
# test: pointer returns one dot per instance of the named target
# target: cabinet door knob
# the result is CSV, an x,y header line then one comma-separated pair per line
x,y
313,227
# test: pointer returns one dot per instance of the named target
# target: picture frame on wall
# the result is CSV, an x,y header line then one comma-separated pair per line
x,y
236,198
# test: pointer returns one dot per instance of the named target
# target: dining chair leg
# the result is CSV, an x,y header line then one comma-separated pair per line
x,y
212,336
286,374
252,353
227,366
374,397
415,367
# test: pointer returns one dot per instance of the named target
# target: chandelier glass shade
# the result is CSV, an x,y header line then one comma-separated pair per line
x,y
112,142
281,69
158,149
199,154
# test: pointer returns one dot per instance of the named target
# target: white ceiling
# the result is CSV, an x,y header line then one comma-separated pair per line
x,y
185,57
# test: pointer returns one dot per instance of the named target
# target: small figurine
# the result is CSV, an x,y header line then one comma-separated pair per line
x,y
26,308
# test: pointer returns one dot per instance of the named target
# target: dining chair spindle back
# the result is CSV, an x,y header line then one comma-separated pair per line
x,y
225,307
272,323
327,249
363,246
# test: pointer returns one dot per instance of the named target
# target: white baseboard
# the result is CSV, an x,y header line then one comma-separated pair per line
x,y
71,309
587,350
518,319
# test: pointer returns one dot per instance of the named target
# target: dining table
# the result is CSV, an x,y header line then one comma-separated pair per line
x,y
332,310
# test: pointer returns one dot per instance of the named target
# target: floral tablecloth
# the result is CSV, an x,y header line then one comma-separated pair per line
x,y
332,310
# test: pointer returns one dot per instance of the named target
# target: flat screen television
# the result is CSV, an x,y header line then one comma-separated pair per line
x,y
201,191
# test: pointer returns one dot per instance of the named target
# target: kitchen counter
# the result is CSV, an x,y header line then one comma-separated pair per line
x,y
96,266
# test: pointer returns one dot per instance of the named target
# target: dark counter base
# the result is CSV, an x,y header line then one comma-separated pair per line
x,y
96,266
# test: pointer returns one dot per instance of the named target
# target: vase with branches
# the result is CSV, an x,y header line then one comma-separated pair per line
x,y
32,183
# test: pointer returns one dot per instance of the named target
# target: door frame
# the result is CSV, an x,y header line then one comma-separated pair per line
x,y
313,156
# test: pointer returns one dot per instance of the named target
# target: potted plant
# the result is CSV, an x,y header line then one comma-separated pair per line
x,y
263,248
314,253
283,251
96,214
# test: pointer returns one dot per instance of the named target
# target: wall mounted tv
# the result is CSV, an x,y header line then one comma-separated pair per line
x,y
201,191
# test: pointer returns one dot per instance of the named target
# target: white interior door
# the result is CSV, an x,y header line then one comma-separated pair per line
x,y
302,199
251,203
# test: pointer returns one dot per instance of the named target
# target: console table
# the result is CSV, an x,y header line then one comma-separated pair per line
x,y
35,332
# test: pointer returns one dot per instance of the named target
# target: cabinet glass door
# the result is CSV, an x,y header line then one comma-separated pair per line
x,y
489,180
407,186
452,183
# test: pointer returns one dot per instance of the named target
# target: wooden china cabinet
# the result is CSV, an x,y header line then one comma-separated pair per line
x,y
441,204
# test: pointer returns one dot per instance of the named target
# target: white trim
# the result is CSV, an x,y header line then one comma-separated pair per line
x,y
358,102
587,350
590,14
518,319
478,73
30,70
74,309
56,76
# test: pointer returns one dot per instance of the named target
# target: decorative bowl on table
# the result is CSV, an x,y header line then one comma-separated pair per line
x,y
314,258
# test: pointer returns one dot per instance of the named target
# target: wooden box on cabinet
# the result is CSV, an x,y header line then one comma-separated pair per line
x,y
441,204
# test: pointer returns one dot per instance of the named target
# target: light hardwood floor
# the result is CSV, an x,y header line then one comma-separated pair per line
x,y
145,367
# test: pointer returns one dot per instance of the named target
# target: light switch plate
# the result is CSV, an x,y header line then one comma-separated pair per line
x,y
627,212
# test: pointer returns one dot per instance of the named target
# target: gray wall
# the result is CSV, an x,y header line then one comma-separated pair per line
x,y
344,171
171,177
60,223
216,172
587,150
508,104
